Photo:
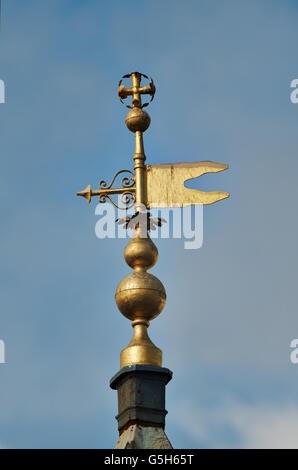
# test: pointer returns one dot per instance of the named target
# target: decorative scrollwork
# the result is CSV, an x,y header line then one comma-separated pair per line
x,y
103,198
127,191
126,182
127,198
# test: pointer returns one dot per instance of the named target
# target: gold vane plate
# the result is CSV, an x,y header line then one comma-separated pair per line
x,y
165,184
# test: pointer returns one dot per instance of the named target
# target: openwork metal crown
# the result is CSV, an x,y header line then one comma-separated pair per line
x,y
124,92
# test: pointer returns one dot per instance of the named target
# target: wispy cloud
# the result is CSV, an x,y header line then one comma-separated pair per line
x,y
257,426
222,94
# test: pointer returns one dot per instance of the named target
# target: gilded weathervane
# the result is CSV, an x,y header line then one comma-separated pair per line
x,y
140,296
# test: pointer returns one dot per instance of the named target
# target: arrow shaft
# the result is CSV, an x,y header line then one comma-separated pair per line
x,y
98,192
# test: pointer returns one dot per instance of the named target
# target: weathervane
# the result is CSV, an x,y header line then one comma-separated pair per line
x,y
140,296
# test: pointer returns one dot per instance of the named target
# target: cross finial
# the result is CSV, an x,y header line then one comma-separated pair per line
x,y
136,90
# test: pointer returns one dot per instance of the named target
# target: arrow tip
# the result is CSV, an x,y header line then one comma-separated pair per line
x,y
86,193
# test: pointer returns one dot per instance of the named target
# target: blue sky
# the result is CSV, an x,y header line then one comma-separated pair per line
x,y
223,71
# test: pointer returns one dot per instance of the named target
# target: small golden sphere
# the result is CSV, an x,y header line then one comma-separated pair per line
x,y
140,295
141,252
137,120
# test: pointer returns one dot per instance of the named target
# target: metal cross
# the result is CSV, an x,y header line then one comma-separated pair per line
x,y
136,90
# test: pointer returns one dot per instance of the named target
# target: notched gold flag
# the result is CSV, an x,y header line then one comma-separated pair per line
x,y
165,184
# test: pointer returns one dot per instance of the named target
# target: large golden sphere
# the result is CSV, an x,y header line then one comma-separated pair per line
x,y
140,295
137,120
141,252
